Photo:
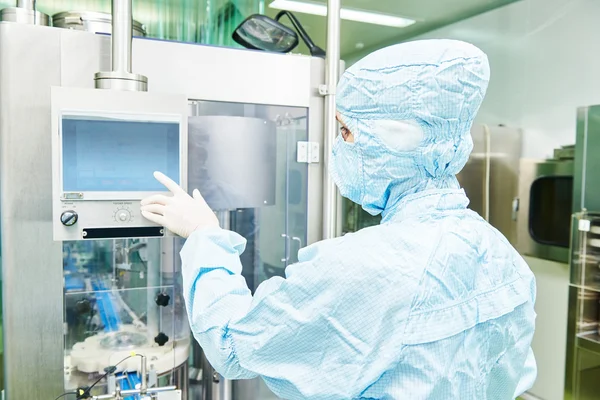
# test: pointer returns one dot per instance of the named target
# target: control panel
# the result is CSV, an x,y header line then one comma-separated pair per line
x,y
106,145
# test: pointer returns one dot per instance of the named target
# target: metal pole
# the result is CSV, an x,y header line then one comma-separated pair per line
x,y
121,77
27,4
182,380
122,23
332,69
144,377
220,388
131,392
24,13
154,254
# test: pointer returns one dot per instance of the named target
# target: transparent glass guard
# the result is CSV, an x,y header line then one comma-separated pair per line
x,y
585,273
243,159
122,296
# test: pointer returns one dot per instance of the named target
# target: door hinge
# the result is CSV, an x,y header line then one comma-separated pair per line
x,y
325,90
308,152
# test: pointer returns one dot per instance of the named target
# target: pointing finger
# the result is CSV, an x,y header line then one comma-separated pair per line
x,y
168,182
197,196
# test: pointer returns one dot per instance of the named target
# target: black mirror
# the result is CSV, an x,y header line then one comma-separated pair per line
x,y
259,32
315,50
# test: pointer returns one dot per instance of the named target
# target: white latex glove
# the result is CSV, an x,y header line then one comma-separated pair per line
x,y
180,213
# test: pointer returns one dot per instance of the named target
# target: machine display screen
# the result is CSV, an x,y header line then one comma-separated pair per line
x,y
118,155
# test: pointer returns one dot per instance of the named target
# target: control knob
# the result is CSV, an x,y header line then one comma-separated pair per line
x,y
161,339
122,215
69,218
162,299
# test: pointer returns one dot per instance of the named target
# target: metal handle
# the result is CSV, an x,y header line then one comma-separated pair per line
x,y
515,208
297,239
287,248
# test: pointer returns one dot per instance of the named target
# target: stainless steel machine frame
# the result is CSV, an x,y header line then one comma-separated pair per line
x,y
24,13
490,177
95,22
34,58
532,171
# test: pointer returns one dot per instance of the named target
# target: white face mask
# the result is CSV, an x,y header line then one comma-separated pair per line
x,y
345,168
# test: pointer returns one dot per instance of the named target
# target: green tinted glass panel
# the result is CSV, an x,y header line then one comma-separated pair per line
x,y
354,218
195,21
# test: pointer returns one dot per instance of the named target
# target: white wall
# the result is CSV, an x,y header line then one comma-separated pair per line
x,y
545,60
550,339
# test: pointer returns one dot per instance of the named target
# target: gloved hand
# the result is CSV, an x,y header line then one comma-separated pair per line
x,y
180,213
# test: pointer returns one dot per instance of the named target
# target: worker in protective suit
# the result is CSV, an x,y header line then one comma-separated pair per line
x,y
434,303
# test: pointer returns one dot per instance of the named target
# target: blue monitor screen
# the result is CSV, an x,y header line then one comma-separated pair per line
x,y
112,155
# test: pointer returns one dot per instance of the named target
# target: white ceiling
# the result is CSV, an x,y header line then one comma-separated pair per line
x,y
429,14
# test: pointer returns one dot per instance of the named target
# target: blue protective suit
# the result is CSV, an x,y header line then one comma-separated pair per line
x,y
434,303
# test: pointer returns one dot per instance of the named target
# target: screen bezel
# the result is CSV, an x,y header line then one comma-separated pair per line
x,y
133,117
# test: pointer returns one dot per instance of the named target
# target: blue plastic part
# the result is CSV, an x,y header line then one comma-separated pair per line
x,y
74,283
107,310
130,381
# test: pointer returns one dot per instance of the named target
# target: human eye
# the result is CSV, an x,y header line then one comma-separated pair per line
x,y
344,132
